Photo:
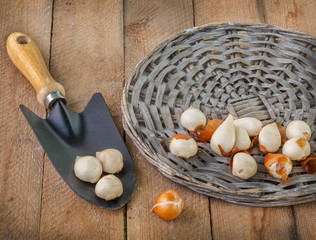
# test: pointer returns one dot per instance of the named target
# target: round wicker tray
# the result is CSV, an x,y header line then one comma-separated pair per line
x,y
253,70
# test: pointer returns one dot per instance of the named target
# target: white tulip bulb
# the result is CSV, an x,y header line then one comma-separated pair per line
x,y
243,141
298,129
109,187
244,165
88,169
252,125
224,136
182,145
296,148
193,119
270,138
111,160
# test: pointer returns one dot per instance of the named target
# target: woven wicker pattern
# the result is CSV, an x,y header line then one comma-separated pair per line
x,y
247,70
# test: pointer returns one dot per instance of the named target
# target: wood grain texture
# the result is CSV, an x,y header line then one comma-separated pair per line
x,y
239,11
86,57
305,219
231,221
21,158
294,14
297,15
147,23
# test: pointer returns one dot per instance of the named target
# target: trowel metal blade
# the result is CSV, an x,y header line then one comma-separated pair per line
x,y
65,134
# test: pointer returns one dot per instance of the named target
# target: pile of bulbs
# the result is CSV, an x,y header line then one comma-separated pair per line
x,y
234,137
90,169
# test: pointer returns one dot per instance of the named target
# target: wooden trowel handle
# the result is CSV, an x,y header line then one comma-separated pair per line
x,y
26,56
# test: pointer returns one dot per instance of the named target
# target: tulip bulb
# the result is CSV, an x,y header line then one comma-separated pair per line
x,y
182,145
278,165
192,119
243,141
296,148
270,138
168,205
88,169
224,137
298,129
243,165
309,164
109,187
252,125
206,133
111,160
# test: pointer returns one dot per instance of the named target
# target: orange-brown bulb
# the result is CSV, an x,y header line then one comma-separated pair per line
x,y
309,164
278,165
168,205
206,133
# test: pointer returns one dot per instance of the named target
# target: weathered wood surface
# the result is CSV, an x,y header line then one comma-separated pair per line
x,y
93,46
21,163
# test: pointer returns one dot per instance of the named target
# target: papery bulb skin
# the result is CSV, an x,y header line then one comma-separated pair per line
x,y
278,165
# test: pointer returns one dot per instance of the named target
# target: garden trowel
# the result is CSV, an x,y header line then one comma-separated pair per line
x,y
65,134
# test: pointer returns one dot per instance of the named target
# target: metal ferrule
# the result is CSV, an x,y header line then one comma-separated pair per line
x,y
52,98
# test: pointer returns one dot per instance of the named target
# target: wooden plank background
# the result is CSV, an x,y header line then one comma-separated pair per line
x,y
93,46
